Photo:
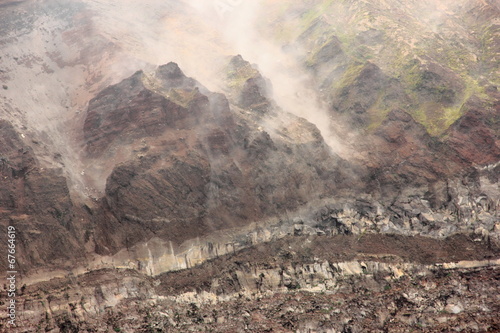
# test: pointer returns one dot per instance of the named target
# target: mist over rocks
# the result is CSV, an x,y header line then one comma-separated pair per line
x,y
206,165
322,165
37,202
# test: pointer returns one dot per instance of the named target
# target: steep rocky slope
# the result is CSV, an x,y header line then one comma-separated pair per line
x,y
194,164
436,61
36,201
340,175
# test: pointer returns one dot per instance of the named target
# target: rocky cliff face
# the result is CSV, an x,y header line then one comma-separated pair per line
x,y
194,164
36,201
297,284
371,60
123,175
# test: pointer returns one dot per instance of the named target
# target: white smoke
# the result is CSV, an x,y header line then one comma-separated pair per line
x,y
239,23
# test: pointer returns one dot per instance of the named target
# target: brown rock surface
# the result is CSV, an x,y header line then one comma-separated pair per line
x,y
475,136
201,164
406,153
36,201
158,173
327,284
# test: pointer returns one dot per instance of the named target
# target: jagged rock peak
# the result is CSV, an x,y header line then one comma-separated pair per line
x,y
171,76
247,86
244,67
170,71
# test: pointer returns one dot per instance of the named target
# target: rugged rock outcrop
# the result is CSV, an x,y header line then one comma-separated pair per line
x,y
322,283
475,136
371,58
363,89
196,164
246,86
37,202
158,204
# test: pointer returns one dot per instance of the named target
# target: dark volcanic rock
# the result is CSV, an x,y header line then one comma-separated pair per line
x,y
37,203
115,116
474,137
202,166
363,89
247,86
434,83
297,284
407,154
172,175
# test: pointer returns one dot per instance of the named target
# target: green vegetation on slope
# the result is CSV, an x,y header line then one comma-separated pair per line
x,y
438,68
